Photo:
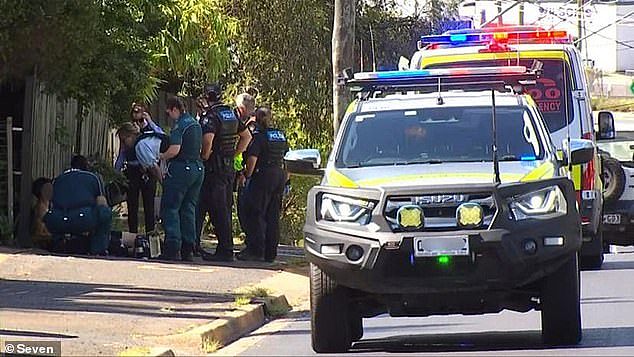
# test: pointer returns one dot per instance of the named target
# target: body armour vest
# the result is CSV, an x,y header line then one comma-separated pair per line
x,y
276,148
226,139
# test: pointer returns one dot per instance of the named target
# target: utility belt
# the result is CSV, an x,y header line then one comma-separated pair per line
x,y
272,165
185,161
266,167
219,163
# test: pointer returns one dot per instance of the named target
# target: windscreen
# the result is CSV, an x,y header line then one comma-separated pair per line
x,y
436,135
548,92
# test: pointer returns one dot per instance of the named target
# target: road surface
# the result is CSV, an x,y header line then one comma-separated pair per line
x,y
607,313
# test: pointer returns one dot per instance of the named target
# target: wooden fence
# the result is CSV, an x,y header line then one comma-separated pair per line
x,y
54,129
48,136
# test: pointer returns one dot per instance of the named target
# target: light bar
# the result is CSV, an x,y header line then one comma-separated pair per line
x,y
510,37
440,72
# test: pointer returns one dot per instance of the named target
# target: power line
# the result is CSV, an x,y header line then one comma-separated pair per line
x,y
592,32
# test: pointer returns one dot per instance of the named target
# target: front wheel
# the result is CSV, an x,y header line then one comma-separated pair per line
x,y
561,309
330,320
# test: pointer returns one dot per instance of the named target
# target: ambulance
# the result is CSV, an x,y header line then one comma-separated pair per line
x,y
561,94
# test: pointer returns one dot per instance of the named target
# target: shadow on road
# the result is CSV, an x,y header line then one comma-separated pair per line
x,y
18,333
54,296
491,341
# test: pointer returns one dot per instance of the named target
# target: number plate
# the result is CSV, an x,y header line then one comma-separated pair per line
x,y
435,246
611,219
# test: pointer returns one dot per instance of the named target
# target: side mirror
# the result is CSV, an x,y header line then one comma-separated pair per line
x,y
304,162
403,64
581,151
606,126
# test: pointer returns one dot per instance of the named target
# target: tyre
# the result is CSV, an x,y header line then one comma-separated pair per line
x,y
561,310
356,326
594,260
330,318
613,178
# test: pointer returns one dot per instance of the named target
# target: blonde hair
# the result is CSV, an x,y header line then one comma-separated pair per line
x,y
128,129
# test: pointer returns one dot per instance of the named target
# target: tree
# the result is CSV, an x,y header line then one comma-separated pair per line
x,y
193,48
94,51
342,55
285,54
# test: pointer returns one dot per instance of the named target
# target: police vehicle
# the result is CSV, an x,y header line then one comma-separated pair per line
x,y
436,201
561,93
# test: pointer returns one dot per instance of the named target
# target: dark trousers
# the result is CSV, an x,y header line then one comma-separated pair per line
x,y
263,202
148,190
216,199
80,230
241,210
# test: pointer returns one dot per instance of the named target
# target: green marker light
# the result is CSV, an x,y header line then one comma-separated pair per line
x,y
443,260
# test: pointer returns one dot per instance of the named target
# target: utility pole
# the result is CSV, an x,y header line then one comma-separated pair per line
x,y
579,23
499,6
521,12
342,55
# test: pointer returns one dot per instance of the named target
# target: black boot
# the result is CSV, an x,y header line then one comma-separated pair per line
x,y
187,252
171,251
247,255
218,256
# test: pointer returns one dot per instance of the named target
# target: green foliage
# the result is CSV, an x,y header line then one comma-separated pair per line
x,y
294,210
93,50
283,49
107,172
193,48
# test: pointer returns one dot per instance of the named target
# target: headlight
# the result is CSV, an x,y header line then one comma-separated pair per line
x,y
345,209
545,203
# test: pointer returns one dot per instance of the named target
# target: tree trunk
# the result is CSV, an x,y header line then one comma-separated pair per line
x,y
342,55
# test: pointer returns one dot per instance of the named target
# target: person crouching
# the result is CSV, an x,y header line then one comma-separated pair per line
x,y
79,218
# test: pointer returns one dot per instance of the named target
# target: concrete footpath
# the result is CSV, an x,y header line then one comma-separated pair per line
x,y
108,306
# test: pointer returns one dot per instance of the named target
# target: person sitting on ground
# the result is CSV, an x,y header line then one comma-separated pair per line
x,y
79,218
42,189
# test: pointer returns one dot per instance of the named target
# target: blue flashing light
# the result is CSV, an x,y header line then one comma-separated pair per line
x,y
528,158
498,36
422,73
402,74
458,38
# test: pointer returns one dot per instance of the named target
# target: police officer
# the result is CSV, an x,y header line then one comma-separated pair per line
x,y
265,185
143,149
221,130
245,109
79,219
181,185
139,182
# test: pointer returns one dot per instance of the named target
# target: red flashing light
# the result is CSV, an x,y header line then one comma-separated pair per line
x,y
509,37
